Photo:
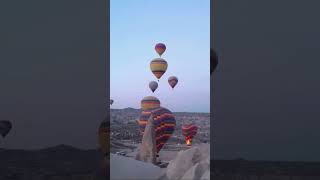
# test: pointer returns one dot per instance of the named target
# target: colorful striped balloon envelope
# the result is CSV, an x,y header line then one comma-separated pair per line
x,y
150,102
164,123
158,67
189,131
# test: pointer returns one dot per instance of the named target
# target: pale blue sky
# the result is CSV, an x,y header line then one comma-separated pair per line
x,y
184,26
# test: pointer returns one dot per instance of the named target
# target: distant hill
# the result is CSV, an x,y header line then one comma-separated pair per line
x,y
125,109
61,147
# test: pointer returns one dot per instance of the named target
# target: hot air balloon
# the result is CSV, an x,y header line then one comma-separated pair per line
x,y
189,131
150,102
111,101
164,123
153,85
213,61
104,131
160,48
173,81
158,67
5,127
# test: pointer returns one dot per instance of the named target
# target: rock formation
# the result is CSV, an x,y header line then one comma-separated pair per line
x,y
147,149
122,167
191,164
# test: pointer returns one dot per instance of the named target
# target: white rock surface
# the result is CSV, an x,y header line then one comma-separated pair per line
x,y
206,175
196,171
130,169
147,149
190,164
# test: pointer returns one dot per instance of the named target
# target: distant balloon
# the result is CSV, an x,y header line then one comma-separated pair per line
x,y
150,102
104,133
173,81
160,48
213,61
189,131
164,122
111,101
158,67
153,85
5,127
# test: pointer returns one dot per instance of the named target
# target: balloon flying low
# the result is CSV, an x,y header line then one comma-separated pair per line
x,y
164,122
111,101
163,119
189,131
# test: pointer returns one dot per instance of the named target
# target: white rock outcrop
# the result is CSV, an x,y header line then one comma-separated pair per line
x,y
206,175
191,164
130,169
147,149
196,171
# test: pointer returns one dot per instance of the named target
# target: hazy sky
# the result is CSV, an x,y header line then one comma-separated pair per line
x,y
136,26
266,92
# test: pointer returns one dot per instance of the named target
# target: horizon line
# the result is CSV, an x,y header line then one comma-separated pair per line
x,y
170,110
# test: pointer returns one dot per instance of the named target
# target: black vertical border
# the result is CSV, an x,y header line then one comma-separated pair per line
x,y
106,5
213,13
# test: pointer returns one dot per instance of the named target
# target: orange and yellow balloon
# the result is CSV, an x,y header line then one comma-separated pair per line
x,y
158,67
150,102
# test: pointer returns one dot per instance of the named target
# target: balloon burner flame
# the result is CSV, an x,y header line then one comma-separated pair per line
x,y
188,141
